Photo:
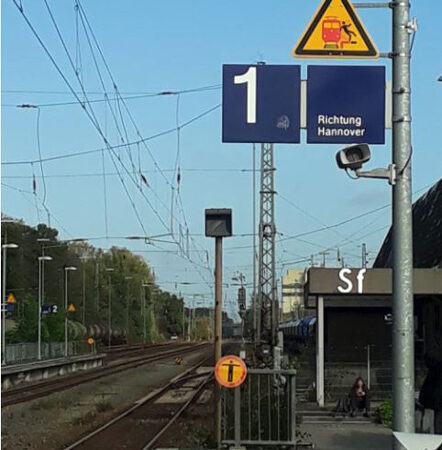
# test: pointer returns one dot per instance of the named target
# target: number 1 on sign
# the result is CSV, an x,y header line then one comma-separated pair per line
x,y
249,78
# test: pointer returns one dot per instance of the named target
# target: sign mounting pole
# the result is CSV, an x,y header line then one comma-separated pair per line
x,y
267,231
403,345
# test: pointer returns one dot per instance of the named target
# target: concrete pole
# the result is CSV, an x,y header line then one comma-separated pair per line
x,y
97,284
109,313
402,308
320,369
40,263
364,256
218,331
189,318
65,313
3,305
144,318
84,294
127,316
183,319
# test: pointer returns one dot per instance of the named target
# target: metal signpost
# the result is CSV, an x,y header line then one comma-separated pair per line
x,y
402,305
231,372
218,224
341,104
403,318
5,248
66,308
41,260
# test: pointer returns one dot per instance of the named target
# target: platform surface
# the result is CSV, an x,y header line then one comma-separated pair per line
x,y
43,364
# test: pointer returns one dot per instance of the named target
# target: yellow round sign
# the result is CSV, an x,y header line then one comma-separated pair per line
x,y
90,341
230,371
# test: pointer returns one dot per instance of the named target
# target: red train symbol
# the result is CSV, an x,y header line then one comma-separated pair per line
x,y
337,33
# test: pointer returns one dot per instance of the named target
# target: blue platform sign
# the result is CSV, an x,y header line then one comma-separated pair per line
x,y
346,104
46,309
261,103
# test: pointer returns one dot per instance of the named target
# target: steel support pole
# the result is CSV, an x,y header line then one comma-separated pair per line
x,y
65,313
403,344
255,332
218,331
3,306
237,415
267,230
40,263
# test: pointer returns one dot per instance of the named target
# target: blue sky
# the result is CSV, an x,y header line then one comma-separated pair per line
x,y
152,47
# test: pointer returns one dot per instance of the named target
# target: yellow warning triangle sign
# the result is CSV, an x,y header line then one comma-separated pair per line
x,y
71,308
336,31
11,298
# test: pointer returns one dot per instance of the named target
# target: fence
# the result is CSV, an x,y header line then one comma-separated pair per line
x,y
373,363
264,410
28,351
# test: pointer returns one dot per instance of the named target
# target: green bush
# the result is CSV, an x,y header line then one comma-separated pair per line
x,y
386,412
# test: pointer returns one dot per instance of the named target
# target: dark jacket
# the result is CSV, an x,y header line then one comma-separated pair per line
x,y
360,403
430,395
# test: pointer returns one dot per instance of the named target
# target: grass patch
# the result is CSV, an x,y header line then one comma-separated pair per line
x,y
44,404
82,420
103,406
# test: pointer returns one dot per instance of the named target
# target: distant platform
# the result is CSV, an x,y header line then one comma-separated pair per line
x,y
17,374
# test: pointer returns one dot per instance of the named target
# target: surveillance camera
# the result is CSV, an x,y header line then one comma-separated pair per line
x,y
353,156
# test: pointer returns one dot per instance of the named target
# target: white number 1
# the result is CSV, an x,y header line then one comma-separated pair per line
x,y
249,77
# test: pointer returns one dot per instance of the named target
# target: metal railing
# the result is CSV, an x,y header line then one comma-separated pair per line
x,y
264,410
28,351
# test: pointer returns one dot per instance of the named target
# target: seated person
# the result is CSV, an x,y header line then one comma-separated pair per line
x,y
359,399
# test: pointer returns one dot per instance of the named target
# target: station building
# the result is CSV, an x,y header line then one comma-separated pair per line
x,y
353,312
293,295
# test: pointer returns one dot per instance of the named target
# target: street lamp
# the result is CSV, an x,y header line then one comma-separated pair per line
x,y
3,303
41,260
109,312
66,271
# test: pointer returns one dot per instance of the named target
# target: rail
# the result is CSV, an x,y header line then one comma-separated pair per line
x,y
31,392
152,397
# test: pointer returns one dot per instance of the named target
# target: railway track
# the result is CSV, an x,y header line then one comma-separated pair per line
x,y
31,392
142,425
117,352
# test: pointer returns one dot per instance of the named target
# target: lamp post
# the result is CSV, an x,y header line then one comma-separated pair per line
x,y
3,303
66,271
109,307
41,260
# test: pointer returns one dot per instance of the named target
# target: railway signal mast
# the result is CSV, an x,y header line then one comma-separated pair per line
x,y
267,296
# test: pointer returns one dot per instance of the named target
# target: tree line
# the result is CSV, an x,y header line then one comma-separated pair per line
x,y
140,309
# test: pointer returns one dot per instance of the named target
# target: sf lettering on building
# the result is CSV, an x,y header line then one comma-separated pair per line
x,y
230,371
